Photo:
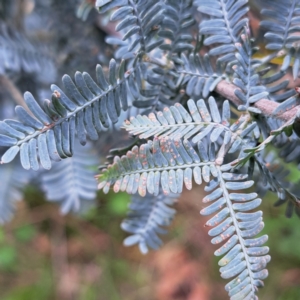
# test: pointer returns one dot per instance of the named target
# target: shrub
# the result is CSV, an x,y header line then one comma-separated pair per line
x,y
209,101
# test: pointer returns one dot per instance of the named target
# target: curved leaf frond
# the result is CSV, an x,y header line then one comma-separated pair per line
x,y
12,180
162,163
48,132
71,182
178,18
227,19
282,24
199,75
246,77
276,87
245,257
145,218
278,136
166,163
273,176
282,28
140,19
176,122
19,54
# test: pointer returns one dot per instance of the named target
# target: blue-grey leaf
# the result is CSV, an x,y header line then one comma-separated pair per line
x,y
35,108
10,154
28,120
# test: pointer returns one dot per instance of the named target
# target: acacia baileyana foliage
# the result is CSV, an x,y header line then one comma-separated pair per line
x,y
171,59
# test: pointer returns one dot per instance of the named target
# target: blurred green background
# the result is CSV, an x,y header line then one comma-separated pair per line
x,y
46,256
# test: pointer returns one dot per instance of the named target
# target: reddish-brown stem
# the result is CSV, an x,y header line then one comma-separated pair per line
x,y
266,106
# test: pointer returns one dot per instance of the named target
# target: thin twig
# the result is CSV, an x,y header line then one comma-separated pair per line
x,y
9,89
7,86
266,106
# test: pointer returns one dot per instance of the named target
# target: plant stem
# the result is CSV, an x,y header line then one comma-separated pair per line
x,y
266,106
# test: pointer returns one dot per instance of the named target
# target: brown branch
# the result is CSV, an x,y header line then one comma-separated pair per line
x,y
266,106
8,89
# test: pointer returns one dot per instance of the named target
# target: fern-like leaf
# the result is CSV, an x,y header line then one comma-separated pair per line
x,y
246,78
282,23
139,18
245,256
273,176
85,109
276,87
166,163
200,122
145,218
227,19
19,54
199,75
71,182
276,133
282,27
162,163
177,19
12,180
